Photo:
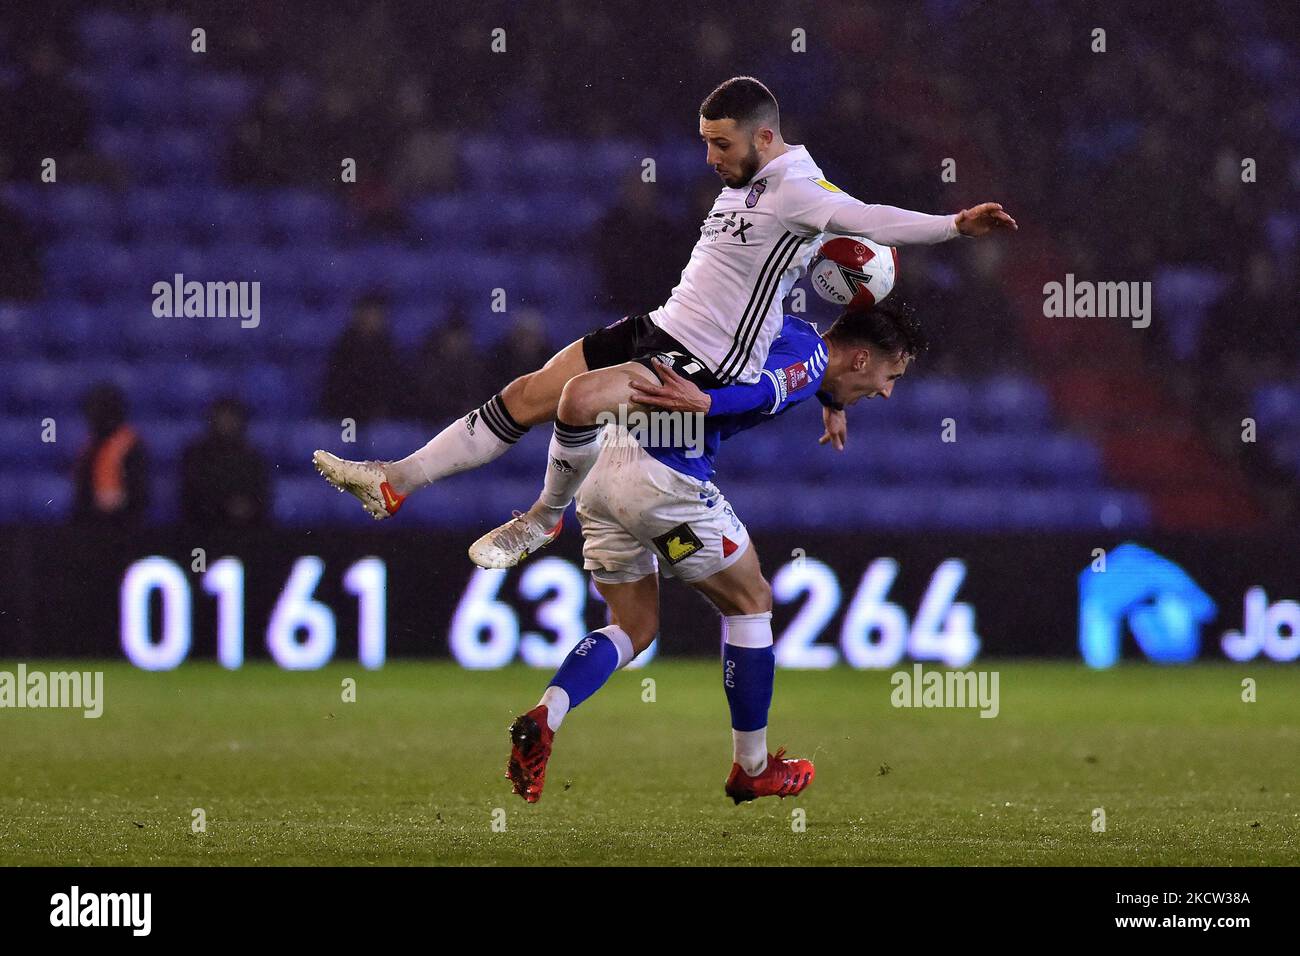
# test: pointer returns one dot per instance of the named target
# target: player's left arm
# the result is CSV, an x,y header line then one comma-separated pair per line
x,y
902,227
812,206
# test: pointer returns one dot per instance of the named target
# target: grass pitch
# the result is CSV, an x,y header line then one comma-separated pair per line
x,y
412,772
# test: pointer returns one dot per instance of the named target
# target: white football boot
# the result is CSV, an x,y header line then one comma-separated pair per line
x,y
506,546
364,480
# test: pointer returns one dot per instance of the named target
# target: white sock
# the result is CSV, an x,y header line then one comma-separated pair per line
x,y
483,435
573,451
622,643
556,700
750,748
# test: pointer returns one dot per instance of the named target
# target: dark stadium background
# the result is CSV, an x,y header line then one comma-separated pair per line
x,y
522,171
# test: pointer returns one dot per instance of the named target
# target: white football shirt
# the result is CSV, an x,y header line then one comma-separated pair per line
x,y
755,243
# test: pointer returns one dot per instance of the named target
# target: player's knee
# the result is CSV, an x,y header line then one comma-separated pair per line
x,y
756,598
580,402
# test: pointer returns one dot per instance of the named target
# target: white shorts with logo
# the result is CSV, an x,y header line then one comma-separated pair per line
x,y
638,515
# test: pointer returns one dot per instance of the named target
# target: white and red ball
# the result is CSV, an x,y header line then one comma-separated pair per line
x,y
853,272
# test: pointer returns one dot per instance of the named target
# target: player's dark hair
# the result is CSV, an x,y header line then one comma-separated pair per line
x,y
891,325
745,100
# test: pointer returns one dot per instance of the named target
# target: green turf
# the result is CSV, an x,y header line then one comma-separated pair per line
x,y
411,773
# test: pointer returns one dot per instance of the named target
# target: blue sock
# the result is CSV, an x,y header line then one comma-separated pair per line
x,y
585,670
748,669
748,673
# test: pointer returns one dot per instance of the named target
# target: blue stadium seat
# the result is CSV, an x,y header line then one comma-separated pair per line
x,y
167,36
404,272
182,155
159,214
107,35
296,215
1011,401
147,335
165,440
1277,407
164,500
965,508
307,500
36,496
680,161
297,440
411,322
337,274
90,268
40,387
461,502
153,96
935,399
1062,459
181,388
982,457
23,331
217,97
1185,294
32,203
526,461
83,212
23,440
432,218
273,391
73,328
231,215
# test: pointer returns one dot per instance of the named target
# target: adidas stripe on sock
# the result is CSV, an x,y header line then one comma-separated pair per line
x,y
482,436
572,452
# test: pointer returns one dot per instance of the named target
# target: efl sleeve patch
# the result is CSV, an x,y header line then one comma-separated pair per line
x,y
793,377
824,184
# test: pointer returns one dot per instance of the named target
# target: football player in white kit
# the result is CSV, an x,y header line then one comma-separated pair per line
x,y
775,208
652,508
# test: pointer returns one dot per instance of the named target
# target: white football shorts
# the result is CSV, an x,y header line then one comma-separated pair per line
x,y
638,515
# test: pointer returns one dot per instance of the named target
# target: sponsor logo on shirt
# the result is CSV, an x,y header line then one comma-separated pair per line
x,y
678,543
718,224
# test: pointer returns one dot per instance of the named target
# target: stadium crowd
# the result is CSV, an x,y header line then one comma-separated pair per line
x,y
1131,160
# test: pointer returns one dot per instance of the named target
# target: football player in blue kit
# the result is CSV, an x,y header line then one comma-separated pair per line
x,y
644,509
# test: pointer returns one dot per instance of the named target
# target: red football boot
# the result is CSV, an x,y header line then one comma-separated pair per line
x,y
530,748
780,778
